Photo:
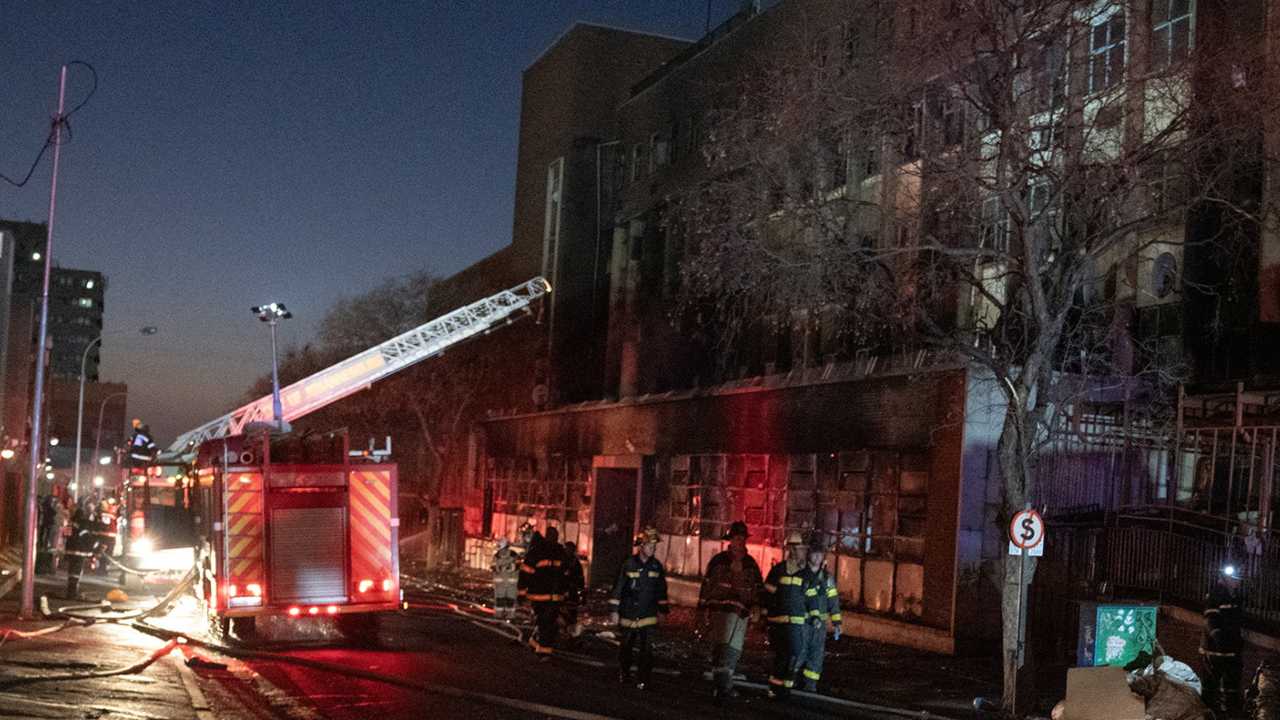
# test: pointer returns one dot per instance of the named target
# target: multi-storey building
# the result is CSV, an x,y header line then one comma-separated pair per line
x,y
887,446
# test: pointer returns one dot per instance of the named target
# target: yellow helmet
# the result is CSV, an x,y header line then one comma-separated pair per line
x,y
648,535
794,538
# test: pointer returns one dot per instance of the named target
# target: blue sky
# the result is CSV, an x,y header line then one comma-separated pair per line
x,y
239,152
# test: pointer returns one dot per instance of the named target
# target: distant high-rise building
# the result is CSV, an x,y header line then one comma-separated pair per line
x,y
75,301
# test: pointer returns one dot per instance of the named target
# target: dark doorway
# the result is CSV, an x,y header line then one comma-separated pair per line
x,y
614,523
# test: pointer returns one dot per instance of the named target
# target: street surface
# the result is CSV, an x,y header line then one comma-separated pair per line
x,y
443,658
444,649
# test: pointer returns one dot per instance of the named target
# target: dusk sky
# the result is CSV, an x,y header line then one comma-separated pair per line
x,y
242,152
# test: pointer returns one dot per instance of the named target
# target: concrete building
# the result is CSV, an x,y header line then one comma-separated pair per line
x,y
76,301
629,418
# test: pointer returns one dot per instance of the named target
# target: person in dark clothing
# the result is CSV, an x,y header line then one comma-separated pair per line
x,y
542,585
82,545
574,585
639,596
142,448
789,596
730,589
1222,642
50,528
827,610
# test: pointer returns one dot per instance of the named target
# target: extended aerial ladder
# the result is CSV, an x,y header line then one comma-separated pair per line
x,y
363,369
291,525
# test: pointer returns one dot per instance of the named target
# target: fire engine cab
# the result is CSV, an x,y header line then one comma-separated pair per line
x,y
294,524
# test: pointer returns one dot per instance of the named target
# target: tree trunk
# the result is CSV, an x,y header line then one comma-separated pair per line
x,y
1018,696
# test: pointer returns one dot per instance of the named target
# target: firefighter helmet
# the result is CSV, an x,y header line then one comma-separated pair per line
x,y
648,535
794,538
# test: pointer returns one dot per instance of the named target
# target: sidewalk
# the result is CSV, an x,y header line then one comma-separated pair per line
x,y
53,675
855,669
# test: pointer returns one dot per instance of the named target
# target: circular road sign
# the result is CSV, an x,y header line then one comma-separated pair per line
x,y
1026,530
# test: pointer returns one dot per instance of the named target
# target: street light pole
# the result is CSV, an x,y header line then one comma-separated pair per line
x,y
272,314
97,436
277,413
75,476
35,450
84,359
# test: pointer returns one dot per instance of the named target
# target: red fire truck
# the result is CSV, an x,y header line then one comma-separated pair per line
x,y
301,525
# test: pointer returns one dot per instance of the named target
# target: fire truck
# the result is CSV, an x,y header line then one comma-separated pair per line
x,y
302,525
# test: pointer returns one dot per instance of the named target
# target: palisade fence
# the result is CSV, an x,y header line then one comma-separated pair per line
x,y
1135,514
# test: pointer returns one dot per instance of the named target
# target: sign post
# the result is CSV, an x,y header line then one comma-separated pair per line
x,y
1026,539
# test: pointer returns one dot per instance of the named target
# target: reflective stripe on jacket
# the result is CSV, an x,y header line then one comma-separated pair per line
x,y
730,589
789,596
541,576
640,592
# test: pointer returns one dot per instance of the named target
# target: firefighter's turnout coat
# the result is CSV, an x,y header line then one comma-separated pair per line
x,y
826,607
789,599
542,574
640,593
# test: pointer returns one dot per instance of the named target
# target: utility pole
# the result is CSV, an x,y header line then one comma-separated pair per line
x,y
35,449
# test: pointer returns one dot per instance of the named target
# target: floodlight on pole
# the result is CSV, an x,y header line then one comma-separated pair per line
x,y
272,314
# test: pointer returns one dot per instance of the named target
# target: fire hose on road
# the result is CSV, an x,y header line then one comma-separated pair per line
x,y
348,671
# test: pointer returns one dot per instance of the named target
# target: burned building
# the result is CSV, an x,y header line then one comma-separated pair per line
x,y
634,412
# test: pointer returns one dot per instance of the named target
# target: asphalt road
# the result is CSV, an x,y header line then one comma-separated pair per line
x,y
462,671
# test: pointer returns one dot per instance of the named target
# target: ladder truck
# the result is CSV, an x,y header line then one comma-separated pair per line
x,y
304,526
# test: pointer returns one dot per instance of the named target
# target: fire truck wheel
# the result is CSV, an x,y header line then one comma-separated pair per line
x,y
361,629
245,629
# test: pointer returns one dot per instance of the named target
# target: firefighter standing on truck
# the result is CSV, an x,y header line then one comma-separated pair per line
x,y
142,448
542,585
828,609
789,595
639,595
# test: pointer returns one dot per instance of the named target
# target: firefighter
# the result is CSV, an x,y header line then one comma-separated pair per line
x,y
789,596
575,584
1222,642
82,545
506,574
142,449
542,585
828,609
730,588
639,595
105,532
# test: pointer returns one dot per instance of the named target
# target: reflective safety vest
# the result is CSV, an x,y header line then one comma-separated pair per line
x,y
640,592
789,596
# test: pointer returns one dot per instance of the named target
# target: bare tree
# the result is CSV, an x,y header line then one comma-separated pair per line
x,y
985,181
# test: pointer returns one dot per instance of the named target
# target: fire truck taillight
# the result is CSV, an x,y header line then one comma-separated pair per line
x,y
365,586
254,589
314,611
386,585
332,609
295,611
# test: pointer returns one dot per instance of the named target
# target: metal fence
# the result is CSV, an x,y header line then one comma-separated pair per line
x,y
1168,560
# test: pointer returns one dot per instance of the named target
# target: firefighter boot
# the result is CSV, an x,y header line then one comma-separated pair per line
x,y
73,588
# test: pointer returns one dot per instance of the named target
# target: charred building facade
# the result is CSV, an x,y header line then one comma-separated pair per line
x,y
630,413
